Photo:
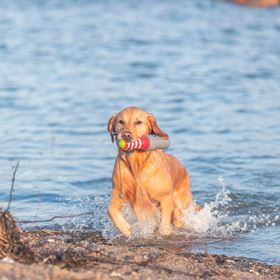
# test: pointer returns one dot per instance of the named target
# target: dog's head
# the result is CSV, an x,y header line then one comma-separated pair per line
x,y
131,123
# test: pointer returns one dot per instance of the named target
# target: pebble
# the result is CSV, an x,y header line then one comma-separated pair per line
x,y
115,274
7,260
50,240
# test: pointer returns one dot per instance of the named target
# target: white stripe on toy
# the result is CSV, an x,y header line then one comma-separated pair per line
x,y
140,143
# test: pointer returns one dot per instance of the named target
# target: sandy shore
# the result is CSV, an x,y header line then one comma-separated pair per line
x,y
80,255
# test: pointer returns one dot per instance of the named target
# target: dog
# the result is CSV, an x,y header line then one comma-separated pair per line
x,y
258,3
146,179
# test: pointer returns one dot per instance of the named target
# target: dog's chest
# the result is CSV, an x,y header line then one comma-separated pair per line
x,y
152,178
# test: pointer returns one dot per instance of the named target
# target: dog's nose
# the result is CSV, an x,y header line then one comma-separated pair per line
x,y
126,135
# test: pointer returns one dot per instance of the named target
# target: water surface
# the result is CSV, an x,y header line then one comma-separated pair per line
x,y
209,72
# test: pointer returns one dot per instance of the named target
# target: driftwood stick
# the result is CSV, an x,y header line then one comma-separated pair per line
x,y
41,220
12,186
55,217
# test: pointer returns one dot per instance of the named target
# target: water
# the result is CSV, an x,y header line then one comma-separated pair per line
x,y
209,72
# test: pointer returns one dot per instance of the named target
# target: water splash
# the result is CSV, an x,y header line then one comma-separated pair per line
x,y
98,222
212,220
217,219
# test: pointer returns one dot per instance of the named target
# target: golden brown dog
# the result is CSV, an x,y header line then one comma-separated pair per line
x,y
146,179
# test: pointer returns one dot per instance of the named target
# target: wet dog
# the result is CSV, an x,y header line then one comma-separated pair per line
x,y
146,179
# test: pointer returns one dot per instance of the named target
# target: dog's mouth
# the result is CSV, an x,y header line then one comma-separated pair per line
x,y
121,146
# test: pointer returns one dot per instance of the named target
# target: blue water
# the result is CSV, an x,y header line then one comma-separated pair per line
x,y
209,72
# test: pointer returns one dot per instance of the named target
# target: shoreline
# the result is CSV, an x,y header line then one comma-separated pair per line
x,y
51,254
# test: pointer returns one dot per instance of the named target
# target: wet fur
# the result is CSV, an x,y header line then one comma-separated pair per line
x,y
149,179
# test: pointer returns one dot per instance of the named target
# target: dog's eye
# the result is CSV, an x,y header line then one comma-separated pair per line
x,y
121,122
138,122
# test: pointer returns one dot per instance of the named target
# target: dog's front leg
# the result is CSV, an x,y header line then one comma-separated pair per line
x,y
115,212
166,205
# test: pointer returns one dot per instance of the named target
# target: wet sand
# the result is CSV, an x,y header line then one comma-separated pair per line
x,y
52,254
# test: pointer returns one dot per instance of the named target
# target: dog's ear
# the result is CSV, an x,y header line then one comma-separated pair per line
x,y
155,129
110,126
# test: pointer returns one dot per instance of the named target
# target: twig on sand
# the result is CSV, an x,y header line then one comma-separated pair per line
x,y
12,187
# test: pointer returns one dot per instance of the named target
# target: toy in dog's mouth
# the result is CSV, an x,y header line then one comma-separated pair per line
x,y
144,143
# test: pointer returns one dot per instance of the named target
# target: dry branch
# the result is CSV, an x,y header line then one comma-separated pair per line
x,y
12,186
55,217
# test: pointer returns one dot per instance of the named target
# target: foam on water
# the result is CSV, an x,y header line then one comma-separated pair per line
x,y
215,220
218,221
212,221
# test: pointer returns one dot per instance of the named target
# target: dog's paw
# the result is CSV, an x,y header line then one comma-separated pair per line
x,y
127,231
167,230
178,224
